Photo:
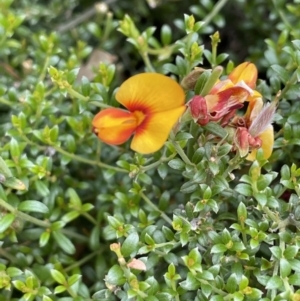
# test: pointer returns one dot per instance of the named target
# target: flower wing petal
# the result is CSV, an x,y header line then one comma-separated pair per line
x,y
152,135
150,92
114,126
221,86
246,72
226,100
267,139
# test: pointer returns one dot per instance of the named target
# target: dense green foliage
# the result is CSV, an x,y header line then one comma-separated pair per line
x,y
81,220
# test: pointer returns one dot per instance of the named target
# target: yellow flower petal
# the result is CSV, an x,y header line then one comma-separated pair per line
x,y
153,133
246,72
114,126
150,93
267,138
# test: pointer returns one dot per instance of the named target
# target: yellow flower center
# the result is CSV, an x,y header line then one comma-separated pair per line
x,y
140,117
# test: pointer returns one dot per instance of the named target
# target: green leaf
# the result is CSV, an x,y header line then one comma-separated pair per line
x,y
33,206
64,242
162,170
189,187
274,282
221,58
44,238
261,198
216,129
198,155
130,244
58,276
13,272
166,34
59,289
218,248
224,150
53,133
244,189
14,183
200,83
42,188
85,86
285,268
18,284
296,44
73,279
232,283
145,178
6,221
285,172
242,212
14,148
70,216
4,170
177,164
74,198
206,289
115,276
281,72
276,251
290,252
191,283
294,279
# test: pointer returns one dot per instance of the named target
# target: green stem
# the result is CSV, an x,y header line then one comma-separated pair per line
x,y
167,49
7,255
163,215
233,164
76,94
288,84
44,70
179,150
216,290
190,145
217,7
161,245
282,16
23,215
157,163
275,273
286,284
76,157
6,102
75,235
181,153
82,261
89,217
147,62
170,48
88,161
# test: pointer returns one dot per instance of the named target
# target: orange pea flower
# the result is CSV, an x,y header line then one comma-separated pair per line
x,y
254,129
226,96
154,103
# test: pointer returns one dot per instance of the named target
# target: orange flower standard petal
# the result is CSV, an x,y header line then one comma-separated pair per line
x,y
246,72
154,102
